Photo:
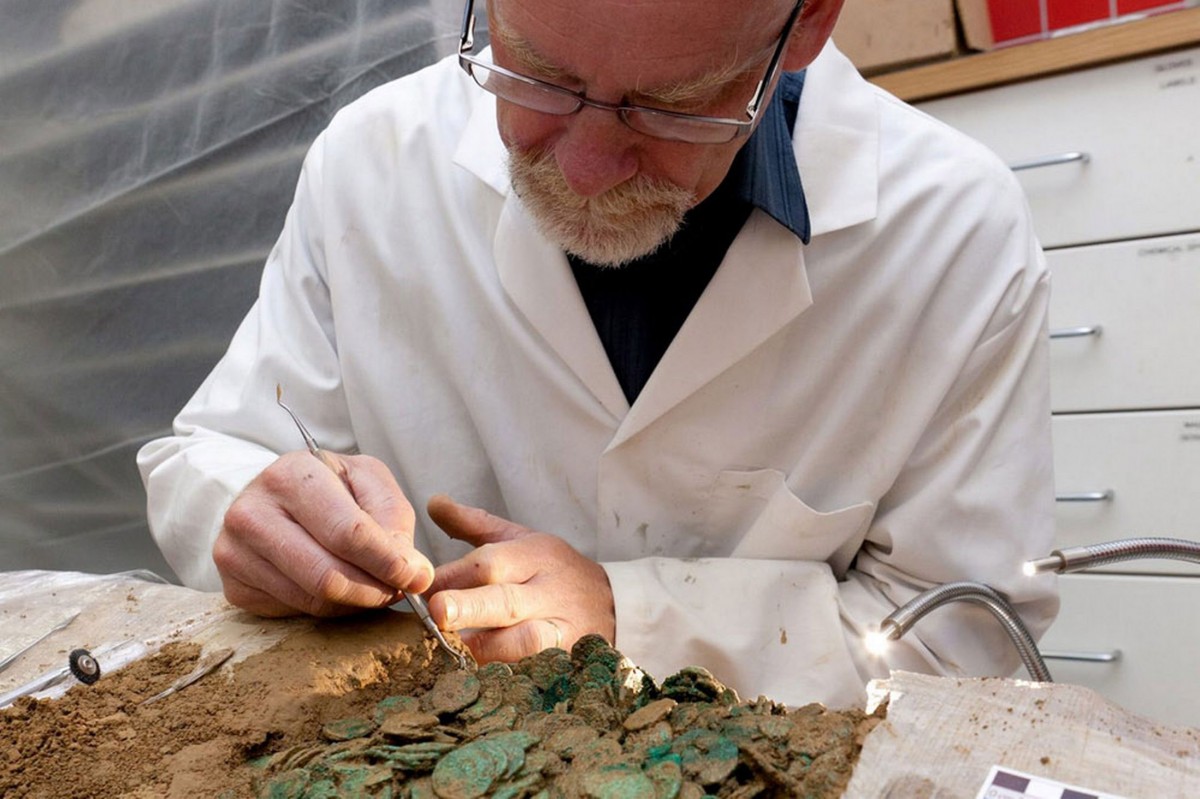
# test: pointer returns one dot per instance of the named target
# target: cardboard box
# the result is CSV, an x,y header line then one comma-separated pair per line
x,y
882,34
988,24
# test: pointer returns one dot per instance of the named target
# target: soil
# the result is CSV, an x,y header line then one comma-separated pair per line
x,y
370,707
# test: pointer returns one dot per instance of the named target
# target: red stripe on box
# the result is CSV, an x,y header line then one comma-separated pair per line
x,y
1134,6
1014,19
1069,13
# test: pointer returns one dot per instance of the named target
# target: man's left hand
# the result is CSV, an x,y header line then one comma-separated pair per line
x,y
519,591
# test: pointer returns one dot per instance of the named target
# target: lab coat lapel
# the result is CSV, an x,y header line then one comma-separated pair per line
x,y
533,272
762,283
760,286
537,278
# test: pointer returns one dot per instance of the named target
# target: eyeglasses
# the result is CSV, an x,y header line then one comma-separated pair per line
x,y
546,98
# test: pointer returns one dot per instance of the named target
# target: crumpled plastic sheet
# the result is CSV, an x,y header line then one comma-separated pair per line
x,y
118,618
149,150
943,735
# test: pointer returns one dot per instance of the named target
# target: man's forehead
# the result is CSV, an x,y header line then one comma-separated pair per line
x,y
675,35
667,21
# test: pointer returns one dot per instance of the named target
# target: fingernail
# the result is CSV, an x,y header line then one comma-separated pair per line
x,y
451,611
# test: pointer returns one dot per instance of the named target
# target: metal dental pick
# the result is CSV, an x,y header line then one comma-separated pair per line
x,y
414,600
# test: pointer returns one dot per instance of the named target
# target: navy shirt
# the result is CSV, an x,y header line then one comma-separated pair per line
x,y
638,308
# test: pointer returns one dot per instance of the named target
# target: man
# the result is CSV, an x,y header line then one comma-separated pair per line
x,y
725,399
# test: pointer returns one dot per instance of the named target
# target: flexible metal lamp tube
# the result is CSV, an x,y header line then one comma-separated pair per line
x,y
1072,559
904,617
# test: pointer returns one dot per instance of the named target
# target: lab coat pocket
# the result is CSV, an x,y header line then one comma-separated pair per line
x,y
771,522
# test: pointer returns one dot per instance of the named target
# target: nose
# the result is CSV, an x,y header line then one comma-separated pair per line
x,y
596,152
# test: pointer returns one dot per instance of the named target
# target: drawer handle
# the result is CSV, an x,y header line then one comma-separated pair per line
x,y
1086,496
1077,332
1084,657
1052,160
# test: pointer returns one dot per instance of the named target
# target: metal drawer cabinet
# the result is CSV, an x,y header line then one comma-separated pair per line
x,y
1125,475
1135,640
1103,154
1125,325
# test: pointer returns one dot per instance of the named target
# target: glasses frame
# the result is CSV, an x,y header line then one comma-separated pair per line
x,y
737,127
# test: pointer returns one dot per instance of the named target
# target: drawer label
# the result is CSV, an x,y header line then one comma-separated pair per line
x,y
1173,73
1191,432
1176,248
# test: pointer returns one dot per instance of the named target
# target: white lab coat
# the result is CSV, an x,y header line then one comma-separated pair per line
x,y
836,426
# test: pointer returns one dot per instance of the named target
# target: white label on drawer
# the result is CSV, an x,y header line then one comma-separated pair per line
x,y
1177,72
1191,432
1180,247
1006,783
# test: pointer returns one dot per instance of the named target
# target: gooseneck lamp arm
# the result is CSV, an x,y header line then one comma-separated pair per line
x,y
1072,559
903,618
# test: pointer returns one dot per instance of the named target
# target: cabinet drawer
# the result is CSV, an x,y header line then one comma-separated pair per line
x,y
1142,300
1150,462
1154,625
1137,124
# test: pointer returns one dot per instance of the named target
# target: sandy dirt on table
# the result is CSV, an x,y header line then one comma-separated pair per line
x,y
100,741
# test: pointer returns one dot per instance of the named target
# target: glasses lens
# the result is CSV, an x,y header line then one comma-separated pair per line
x,y
525,92
680,128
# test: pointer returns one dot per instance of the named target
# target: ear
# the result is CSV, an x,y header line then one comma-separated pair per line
x,y
812,30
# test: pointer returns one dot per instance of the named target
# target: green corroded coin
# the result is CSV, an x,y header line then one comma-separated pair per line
x,y
396,704
518,788
569,740
504,718
545,668
289,785
593,647
707,757
421,789
411,757
453,691
514,745
322,789
697,684
521,693
470,770
618,782
347,729
649,714
667,778
408,726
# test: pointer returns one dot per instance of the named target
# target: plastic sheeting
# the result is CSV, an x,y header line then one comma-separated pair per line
x,y
148,153
119,618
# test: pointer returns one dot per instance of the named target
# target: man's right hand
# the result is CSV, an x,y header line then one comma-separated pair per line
x,y
299,540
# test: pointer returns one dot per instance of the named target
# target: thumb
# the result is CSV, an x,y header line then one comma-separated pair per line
x,y
473,525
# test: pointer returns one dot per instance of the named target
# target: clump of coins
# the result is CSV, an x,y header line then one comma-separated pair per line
x,y
582,724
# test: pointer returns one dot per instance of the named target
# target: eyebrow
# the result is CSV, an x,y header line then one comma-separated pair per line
x,y
526,55
701,87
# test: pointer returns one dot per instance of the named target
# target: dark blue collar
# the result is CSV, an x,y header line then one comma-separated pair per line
x,y
765,174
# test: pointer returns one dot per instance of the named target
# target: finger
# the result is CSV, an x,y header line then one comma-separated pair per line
x,y
510,644
473,525
509,562
262,602
377,492
321,504
500,605
257,533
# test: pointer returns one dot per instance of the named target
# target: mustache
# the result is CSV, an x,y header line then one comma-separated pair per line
x,y
626,222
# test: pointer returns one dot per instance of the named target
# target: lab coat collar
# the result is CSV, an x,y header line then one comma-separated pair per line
x,y
836,143
480,150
